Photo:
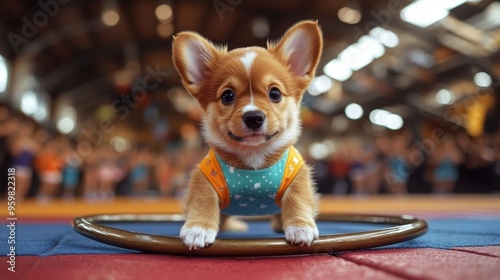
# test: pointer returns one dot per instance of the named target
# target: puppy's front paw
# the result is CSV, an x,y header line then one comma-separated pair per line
x,y
301,235
197,237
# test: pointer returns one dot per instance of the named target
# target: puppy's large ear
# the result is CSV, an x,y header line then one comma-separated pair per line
x,y
300,48
192,55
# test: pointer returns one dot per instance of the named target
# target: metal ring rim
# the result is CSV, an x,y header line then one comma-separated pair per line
x,y
406,228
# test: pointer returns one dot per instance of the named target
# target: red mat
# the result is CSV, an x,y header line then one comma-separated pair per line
x,y
448,262
465,263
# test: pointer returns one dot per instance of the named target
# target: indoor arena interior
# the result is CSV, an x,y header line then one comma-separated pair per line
x,y
125,126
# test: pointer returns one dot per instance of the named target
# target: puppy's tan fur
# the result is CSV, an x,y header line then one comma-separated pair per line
x,y
207,71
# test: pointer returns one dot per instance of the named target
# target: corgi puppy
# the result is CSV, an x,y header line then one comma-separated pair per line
x,y
251,99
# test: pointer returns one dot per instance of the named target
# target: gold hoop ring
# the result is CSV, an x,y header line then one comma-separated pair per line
x,y
406,228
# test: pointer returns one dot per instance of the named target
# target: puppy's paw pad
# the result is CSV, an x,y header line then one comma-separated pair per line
x,y
197,237
301,235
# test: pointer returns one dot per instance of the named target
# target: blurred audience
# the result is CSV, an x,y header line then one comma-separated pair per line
x,y
23,149
90,175
443,163
339,170
49,166
71,172
48,163
396,149
163,174
140,171
109,173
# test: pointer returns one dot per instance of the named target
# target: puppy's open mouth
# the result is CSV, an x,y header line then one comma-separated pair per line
x,y
252,136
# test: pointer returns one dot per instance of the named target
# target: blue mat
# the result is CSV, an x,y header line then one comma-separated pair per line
x,y
47,239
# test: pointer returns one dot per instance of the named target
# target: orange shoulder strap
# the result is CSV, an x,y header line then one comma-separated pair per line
x,y
210,167
293,164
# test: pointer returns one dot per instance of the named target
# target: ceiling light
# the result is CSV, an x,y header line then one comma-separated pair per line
x,y
378,116
482,79
445,97
164,12
353,111
65,125
394,122
338,70
386,37
41,112
4,74
423,13
385,118
29,103
488,19
355,58
119,143
319,85
349,15
371,46
318,151
110,17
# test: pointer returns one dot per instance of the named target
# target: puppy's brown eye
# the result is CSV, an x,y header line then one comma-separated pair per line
x,y
275,94
228,97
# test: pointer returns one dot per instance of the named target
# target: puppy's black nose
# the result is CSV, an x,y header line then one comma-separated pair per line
x,y
254,119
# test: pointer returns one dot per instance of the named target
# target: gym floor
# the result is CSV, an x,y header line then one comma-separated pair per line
x,y
463,242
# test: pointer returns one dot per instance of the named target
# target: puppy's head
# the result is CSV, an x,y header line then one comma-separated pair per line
x,y
250,96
